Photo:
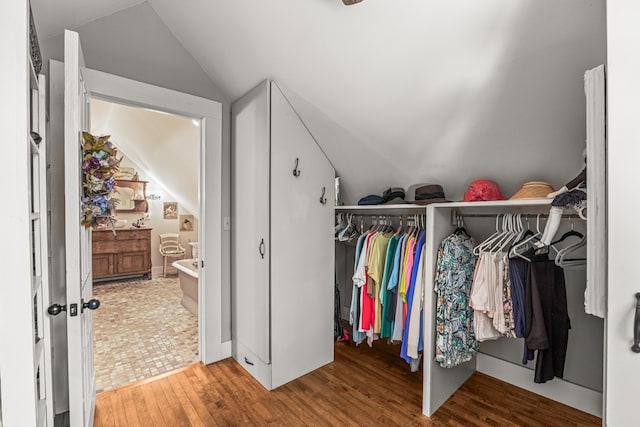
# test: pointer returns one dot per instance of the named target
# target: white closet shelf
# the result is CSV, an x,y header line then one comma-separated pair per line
x,y
467,206
496,203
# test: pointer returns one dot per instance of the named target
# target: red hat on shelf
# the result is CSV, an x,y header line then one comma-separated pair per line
x,y
483,190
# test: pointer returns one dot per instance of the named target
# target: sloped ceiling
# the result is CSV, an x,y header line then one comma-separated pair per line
x,y
164,146
414,91
53,17
398,93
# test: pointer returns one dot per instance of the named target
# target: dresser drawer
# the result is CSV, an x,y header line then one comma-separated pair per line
x,y
99,236
120,246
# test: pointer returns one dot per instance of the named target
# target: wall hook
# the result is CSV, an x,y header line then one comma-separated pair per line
x,y
323,199
296,171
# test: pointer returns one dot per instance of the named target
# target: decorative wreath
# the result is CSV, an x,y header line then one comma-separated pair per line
x,y
99,166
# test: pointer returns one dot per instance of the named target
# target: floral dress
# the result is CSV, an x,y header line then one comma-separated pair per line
x,y
455,339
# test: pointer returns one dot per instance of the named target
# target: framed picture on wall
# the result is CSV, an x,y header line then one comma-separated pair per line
x,y
170,210
186,223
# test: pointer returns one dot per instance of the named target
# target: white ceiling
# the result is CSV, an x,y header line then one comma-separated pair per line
x,y
416,90
164,147
54,16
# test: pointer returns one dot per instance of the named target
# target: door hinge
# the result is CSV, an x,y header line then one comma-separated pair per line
x,y
73,310
202,263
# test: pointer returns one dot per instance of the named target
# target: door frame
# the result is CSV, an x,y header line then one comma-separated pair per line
x,y
134,93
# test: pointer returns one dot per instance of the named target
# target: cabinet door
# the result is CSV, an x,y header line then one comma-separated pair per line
x,y
131,262
102,265
302,265
250,225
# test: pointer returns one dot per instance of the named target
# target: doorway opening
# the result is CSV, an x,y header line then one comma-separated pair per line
x,y
146,273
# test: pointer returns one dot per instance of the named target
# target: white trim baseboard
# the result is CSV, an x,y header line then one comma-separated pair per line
x,y
570,394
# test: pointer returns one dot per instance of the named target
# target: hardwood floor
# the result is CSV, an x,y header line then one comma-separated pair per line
x,y
364,386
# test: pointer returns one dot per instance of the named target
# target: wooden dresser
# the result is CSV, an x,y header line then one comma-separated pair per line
x,y
124,254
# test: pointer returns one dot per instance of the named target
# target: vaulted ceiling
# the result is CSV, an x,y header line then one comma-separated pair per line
x,y
400,92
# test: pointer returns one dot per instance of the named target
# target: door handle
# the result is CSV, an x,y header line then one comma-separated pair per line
x,y
55,309
636,327
261,248
92,304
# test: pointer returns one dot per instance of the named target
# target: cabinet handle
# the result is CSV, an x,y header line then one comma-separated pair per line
x,y
323,199
261,248
636,327
296,171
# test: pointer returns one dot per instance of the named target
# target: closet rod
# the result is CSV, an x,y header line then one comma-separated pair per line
x,y
456,214
384,216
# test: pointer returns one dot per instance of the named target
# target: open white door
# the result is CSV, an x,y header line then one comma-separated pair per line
x,y
623,128
82,387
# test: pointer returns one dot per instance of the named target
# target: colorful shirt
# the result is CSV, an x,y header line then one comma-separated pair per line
x,y
455,339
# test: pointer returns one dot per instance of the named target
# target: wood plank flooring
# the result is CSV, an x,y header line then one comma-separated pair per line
x,y
363,387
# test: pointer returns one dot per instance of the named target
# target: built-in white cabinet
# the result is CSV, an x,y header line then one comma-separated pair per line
x,y
282,245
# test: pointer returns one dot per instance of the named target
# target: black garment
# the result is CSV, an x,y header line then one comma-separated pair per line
x,y
546,317
390,307
518,277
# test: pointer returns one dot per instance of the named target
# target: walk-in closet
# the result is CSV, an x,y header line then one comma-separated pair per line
x,y
543,273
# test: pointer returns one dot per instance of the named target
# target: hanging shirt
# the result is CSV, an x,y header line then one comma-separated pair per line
x,y
385,324
408,265
375,270
496,285
366,302
417,304
518,276
482,297
354,312
392,303
507,301
549,323
455,270
410,296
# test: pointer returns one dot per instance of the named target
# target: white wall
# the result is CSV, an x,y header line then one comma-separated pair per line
x,y
156,221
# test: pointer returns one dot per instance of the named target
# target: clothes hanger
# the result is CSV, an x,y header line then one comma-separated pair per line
x,y
347,233
340,224
525,241
513,231
352,230
390,228
399,230
418,228
480,247
561,259
460,229
506,234
570,233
